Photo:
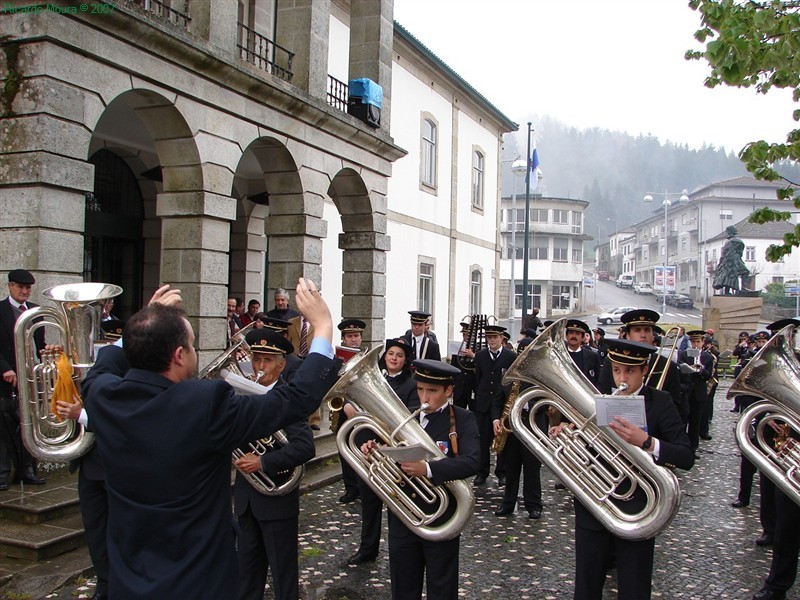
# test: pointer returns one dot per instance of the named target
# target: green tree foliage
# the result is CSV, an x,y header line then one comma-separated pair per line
x,y
757,44
773,293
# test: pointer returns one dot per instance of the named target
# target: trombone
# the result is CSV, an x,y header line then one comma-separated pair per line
x,y
663,375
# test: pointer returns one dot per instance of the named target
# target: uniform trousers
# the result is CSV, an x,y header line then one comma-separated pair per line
x,y
698,419
767,504
12,449
94,511
634,564
517,458
371,516
486,431
785,545
411,558
265,545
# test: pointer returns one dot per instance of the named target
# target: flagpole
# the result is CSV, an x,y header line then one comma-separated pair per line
x,y
526,252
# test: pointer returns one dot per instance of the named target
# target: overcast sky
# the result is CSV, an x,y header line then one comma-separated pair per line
x,y
615,64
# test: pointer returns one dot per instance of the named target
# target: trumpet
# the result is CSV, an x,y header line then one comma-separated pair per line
x,y
594,463
774,375
499,441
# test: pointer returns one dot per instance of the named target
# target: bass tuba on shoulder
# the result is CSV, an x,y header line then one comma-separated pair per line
x,y
435,513
774,375
234,366
77,321
594,463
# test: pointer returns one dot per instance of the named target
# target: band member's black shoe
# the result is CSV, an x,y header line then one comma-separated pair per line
x,y
765,540
360,558
534,514
706,437
348,497
765,594
30,478
480,480
739,503
503,511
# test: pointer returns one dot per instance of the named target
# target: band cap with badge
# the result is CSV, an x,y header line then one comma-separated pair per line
x,y
352,326
268,341
419,316
279,325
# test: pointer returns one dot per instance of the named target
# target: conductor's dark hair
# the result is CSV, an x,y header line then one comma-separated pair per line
x,y
152,335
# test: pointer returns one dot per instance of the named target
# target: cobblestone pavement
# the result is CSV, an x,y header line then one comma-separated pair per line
x,y
707,552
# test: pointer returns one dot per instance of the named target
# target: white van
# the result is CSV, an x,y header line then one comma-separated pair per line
x,y
625,281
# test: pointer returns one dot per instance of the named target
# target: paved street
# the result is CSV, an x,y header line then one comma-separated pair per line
x,y
707,552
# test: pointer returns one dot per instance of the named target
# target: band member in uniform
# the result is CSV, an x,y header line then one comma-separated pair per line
x,y
600,344
490,365
640,326
465,362
586,359
268,524
665,439
169,528
395,365
413,560
293,361
418,338
351,331
694,382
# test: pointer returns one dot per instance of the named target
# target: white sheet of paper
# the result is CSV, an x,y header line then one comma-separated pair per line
x,y
410,453
630,407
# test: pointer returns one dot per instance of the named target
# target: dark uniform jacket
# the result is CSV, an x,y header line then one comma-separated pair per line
x,y
695,383
489,376
588,361
405,387
8,358
170,529
430,346
663,423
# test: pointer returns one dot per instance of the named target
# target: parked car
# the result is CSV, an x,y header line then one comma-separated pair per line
x,y
613,315
642,287
625,281
682,301
602,275
658,293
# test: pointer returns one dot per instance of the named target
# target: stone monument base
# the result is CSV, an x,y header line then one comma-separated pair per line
x,y
728,315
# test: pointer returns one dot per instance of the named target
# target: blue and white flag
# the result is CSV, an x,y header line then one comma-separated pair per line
x,y
535,172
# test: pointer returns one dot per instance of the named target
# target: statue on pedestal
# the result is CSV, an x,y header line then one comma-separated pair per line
x,y
731,267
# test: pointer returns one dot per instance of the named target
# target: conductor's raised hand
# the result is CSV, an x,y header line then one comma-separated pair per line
x,y
166,297
314,308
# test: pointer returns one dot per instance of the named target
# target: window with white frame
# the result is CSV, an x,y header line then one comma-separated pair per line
x,y
561,216
475,291
750,253
538,249
576,221
516,219
425,286
560,249
428,167
477,181
726,214
539,215
560,298
577,251
534,296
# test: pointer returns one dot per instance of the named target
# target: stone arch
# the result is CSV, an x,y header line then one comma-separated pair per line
x,y
364,244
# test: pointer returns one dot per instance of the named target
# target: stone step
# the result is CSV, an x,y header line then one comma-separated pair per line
x,y
40,541
34,504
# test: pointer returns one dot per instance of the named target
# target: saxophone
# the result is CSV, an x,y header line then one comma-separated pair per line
x,y
499,441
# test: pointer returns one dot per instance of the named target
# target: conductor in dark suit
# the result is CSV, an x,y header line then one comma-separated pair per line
x,y
586,359
490,365
20,283
268,538
413,560
419,339
169,438
641,326
666,442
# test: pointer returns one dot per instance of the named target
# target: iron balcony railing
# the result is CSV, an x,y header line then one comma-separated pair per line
x,y
337,93
164,10
265,54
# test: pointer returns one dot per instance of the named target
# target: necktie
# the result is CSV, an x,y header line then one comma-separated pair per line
x,y
304,338
494,355
414,345
22,308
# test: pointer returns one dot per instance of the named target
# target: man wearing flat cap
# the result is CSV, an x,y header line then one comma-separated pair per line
x,y
586,359
269,524
425,347
640,326
20,283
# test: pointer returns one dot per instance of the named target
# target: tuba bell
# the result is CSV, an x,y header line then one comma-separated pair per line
x,y
592,462
77,321
435,513
234,366
774,375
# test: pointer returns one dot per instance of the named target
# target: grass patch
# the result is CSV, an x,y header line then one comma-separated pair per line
x,y
310,552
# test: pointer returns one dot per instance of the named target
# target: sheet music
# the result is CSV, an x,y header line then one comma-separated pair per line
x,y
629,407
410,453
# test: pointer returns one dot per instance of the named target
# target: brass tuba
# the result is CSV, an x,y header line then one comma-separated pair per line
x,y
77,320
774,375
233,366
592,462
435,513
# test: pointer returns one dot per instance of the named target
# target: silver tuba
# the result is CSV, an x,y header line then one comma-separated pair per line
x,y
774,375
234,366
435,513
592,462
77,320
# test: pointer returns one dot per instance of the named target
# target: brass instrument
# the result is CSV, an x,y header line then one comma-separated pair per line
x,y
231,366
499,441
336,405
77,321
476,341
774,375
435,513
663,376
594,463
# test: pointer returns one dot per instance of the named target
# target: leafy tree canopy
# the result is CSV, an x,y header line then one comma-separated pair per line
x,y
751,43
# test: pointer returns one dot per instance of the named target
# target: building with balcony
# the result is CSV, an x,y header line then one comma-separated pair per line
x,y
208,145
556,242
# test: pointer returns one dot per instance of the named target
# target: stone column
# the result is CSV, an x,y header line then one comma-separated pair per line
x,y
248,244
364,266
194,258
303,28
371,41
216,21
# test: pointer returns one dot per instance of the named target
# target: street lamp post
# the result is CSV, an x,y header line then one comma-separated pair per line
x,y
526,251
666,203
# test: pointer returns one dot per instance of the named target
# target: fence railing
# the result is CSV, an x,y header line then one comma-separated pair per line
x,y
263,53
337,93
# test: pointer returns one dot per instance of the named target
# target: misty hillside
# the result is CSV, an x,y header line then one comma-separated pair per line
x,y
613,171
